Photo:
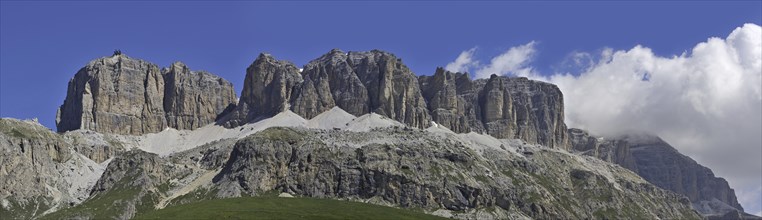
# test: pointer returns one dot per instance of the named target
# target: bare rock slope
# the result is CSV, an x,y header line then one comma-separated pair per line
x,y
661,164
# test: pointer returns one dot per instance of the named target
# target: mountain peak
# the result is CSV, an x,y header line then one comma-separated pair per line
x,y
122,95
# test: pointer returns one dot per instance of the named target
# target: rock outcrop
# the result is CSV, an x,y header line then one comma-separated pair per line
x,y
40,171
193,99
612,150
122,95
377,81
436,172
446,106
659,163
358,82
267,90
503,107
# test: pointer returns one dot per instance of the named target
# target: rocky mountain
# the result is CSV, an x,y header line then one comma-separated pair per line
x,y
377,81
436,171
503,107
356,126
41,171
266,91
661,164
122,95
358,82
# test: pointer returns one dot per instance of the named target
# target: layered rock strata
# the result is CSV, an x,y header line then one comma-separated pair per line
x,y
503,107
122,95
358,82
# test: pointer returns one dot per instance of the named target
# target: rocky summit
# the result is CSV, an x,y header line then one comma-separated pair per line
x,y
500,106
358,82
122,95
134,140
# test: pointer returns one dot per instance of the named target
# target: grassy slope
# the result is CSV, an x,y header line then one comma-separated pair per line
x,y
282,208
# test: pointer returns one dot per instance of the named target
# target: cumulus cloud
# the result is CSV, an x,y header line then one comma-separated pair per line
x,y
513,61
463,62
707,102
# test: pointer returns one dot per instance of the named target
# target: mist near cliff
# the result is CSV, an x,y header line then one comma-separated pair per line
x,y
706,102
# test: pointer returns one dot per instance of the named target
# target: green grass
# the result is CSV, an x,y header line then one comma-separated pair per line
x,y
34,206
110,204
107,205
282,208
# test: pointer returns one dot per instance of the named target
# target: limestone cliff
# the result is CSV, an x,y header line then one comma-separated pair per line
x,y
360,83
267,90
503,107
122,95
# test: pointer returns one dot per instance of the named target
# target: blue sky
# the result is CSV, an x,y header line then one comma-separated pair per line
x,y
44,43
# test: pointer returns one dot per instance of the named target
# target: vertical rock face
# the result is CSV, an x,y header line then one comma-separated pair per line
x,y
659,163
377,81
447,108
330,81
500,106
360,83
267,90
115,95
392,88
193,99
122,95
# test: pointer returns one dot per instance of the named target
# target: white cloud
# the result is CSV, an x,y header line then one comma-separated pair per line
x,y
706,103
751,196
463,62
514,61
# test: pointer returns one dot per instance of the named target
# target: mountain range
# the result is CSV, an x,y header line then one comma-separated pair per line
x,y
133,138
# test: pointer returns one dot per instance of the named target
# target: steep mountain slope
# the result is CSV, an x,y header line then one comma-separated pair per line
x,y
464,176
662,165
41,171
440,173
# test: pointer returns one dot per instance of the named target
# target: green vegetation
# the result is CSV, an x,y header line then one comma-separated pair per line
x,y
607,213
18,134
197,195
280,134
103,206
482,178
111,203
282,208
33,206
17,129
